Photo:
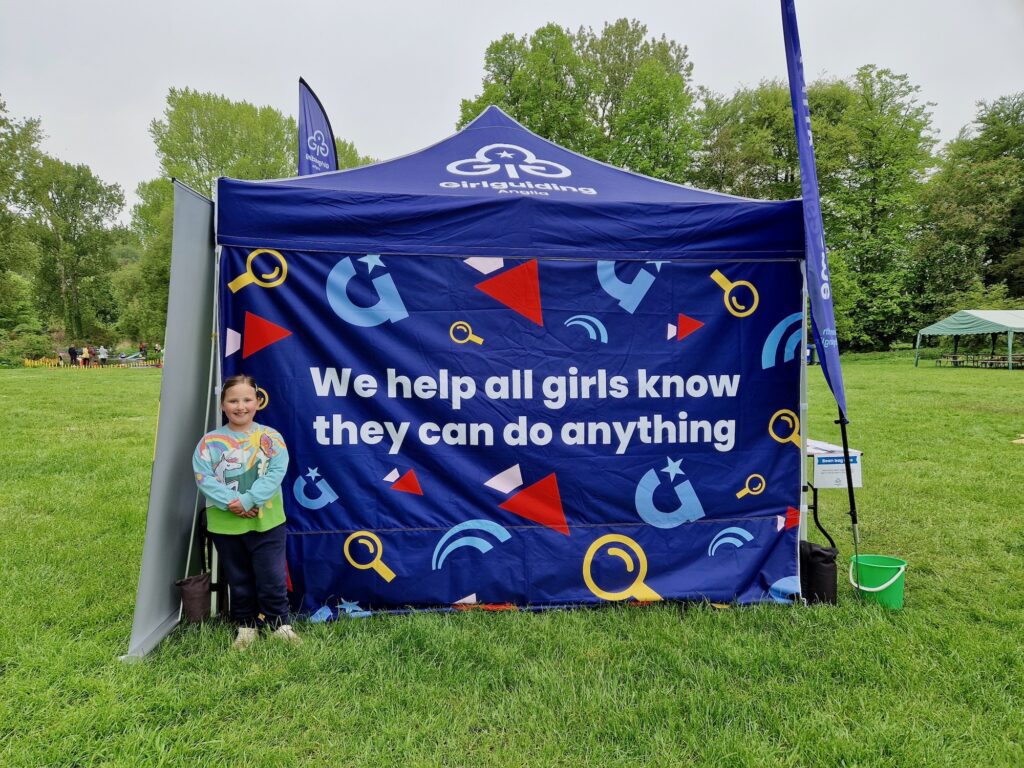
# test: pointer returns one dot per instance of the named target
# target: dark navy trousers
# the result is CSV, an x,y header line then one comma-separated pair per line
x,y
254,565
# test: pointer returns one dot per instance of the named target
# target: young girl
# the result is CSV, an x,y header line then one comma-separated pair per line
x,y
239,468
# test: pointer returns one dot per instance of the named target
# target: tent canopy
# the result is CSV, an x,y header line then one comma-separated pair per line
x,y
974,321
497,189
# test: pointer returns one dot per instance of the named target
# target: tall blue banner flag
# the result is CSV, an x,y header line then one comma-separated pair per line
x,y
819,285
316,139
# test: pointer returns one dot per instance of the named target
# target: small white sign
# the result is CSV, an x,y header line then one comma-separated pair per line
x,y
830,470
829,467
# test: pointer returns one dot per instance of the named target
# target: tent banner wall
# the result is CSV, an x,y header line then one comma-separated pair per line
x,y
532,431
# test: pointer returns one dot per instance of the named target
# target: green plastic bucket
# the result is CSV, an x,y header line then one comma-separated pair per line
x,y
881,578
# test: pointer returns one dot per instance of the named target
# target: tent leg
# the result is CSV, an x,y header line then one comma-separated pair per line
x,y
1009,349
917,350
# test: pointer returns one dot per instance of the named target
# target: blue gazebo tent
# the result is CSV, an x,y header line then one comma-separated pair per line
x,y
521,239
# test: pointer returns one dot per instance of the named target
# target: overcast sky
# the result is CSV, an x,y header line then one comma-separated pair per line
x,y
390,73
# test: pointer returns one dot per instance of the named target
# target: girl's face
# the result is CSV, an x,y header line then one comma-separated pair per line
x,y
239,405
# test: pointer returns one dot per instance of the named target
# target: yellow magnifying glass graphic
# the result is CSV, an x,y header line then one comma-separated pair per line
x,y
374,548
732,302
638,589
791,424
465,333
270,279
754,487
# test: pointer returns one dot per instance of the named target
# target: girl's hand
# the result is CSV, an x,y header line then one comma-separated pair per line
x,y
236,508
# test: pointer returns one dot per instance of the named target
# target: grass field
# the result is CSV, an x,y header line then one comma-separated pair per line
x,y
938,684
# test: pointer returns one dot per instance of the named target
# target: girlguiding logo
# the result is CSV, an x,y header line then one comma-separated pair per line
x,y
512,162
318,151
508,157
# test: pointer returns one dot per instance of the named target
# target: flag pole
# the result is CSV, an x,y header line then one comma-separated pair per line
x,y
822,312
842,421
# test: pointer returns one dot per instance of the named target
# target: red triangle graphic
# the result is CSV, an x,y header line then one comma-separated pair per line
x,y
792,517
408,483
517,289
541,503
686,326
260,333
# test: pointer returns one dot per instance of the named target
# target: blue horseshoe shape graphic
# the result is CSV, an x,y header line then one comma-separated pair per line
x,y
327,494
390,307
629,294
689,508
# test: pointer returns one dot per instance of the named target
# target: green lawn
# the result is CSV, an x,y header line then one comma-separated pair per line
x,y
938,684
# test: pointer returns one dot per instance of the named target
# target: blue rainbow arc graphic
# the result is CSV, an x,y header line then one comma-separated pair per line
x,y
771,345
595,328
734,537
482,545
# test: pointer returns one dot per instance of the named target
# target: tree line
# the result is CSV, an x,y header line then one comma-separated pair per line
x,y
914,232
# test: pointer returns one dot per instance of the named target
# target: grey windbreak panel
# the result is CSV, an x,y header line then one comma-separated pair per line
x,y
184,406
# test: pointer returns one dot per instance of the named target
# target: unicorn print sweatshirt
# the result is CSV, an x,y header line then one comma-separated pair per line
x,y
249,466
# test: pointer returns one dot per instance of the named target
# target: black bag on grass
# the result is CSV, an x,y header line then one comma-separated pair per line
x,y
195,597
818,573
195,590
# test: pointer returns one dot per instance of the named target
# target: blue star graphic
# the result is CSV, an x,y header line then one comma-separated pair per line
x,y
673,468
371,260
312,474
346,607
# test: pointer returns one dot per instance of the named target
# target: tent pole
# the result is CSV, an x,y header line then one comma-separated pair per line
x,y
917,350
842,422
1009,349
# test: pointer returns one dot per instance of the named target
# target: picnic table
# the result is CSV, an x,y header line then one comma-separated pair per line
x,y
1000,361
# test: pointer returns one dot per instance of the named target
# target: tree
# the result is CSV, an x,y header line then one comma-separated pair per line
x,y
71,215
19,150
541,81
873,146
889,152
142,287
748,145
618,96
200,137
348,155
17,305
872,210
973,208
748,140
205,135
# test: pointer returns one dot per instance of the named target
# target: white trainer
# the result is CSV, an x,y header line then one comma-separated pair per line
x,y
246,636
287,634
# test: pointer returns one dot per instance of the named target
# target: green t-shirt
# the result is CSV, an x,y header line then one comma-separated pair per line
x,y
249,466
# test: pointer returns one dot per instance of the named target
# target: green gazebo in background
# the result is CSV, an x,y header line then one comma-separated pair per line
x,y
970,322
